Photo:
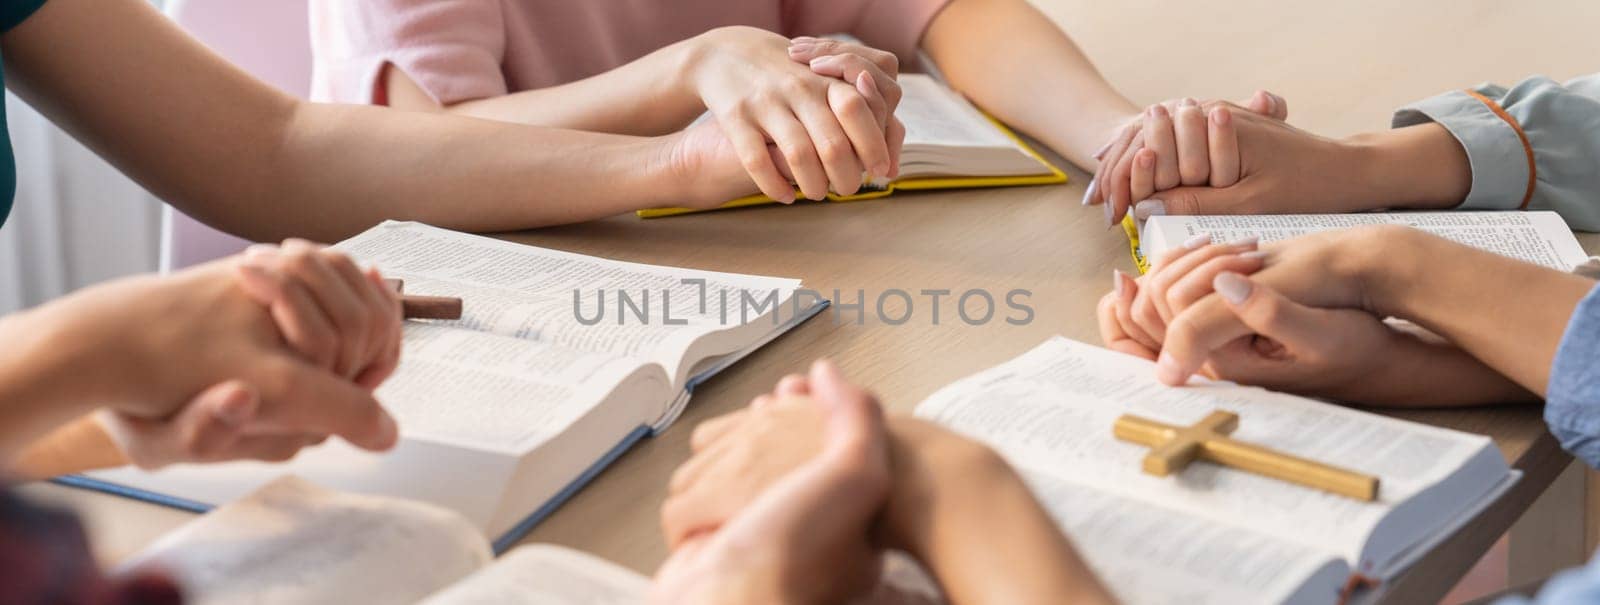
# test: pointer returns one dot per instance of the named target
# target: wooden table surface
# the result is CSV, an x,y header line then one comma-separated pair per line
x,y
1343,67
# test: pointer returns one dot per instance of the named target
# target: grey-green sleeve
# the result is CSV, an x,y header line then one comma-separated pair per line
x,y
1559,132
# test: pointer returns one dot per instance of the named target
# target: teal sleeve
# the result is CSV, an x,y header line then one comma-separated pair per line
x,y
14,12
1536,132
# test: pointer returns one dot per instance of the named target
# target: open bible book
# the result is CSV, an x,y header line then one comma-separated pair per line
x,y
295,542
950,144
558,364
1212,534
1539,237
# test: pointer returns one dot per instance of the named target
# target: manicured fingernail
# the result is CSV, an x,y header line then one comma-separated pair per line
x,y
1159,111
1116,282
1254,255
1167,369
1101,152
802,40
1197,240
1188,102
823,61
1088,192
1272,101
1148,208
1221,116
1248,241
1233,287
1110,212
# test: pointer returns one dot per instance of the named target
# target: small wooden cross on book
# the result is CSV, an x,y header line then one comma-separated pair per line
x,y
425,307
1173,447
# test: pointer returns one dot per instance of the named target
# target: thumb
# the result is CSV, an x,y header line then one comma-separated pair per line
x,y
855,420
299,398
1269,313
1189,201
1268,104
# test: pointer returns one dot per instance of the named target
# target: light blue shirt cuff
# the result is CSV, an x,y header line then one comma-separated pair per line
x,y
1498,158
1570,587
1572,400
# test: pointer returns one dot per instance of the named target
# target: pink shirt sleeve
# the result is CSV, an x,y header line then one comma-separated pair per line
x,y
892,25
453,49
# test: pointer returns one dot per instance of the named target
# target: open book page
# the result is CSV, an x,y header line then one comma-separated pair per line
x,y
487,391
1053,408
544,574
294,542
947,136
1541,237
579,302
935,115
1153,554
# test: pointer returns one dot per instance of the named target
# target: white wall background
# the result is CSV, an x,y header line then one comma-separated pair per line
x,y
76,221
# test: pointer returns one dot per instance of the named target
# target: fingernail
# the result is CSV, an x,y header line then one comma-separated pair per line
x,y
1188,102
1220,116
800,48
1110,211
1233,287
823,61
237,408
1197,240
1101,152
1116,282
1160,111
1088,192
1254,255
1167,369
1148,208
802,40
1248,241
260,250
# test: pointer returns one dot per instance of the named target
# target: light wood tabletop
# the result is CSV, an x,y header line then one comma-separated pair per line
x,y
1344,67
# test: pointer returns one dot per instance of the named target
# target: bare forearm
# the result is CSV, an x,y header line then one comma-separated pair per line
x,y
1508,314
343,168
82,445
1415,167
649,96
962,511
42,383
1015,63
239,155
1421,370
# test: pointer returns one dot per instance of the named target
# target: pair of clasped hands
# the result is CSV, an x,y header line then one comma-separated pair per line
x,y
1294,315
810,113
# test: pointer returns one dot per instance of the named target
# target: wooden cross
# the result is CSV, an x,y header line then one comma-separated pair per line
x,y
1173,447
425,307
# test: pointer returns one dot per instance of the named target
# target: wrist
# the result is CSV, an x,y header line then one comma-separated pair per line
x,y
1420,167
1387,264
688,60
932,469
